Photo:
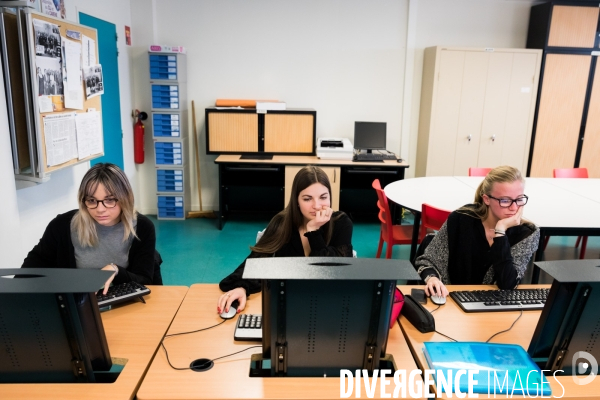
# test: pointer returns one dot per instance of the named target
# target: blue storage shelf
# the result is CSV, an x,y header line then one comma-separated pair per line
x,y
168,77
168,153
163,67
165,96
166,125
169,180
171,207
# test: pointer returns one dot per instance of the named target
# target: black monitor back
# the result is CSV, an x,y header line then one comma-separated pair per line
x,y
321,315
570,320
50,332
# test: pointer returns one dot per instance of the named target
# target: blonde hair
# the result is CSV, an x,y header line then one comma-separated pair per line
x,y
116,184
502,174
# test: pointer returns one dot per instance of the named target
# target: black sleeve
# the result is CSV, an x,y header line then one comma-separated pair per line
x,y
141,255
235,280
505,274
340,244
44,254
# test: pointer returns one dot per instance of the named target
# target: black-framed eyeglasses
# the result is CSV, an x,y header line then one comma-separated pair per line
x,y
107,203
506,203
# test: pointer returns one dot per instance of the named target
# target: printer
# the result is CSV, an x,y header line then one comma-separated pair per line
x,y
334,149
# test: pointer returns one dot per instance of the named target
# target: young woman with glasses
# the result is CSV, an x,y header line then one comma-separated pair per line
x,y
104,233
307,227
487,242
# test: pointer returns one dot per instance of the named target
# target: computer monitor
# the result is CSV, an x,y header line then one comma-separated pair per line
x,y
323,314
570,321
51,329
370,136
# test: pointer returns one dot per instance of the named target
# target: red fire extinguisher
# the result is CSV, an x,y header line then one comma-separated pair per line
x,y
138,137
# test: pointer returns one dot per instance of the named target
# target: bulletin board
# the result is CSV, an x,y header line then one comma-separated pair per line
x,y
54,85
59,108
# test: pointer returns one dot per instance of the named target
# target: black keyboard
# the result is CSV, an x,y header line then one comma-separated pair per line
x,y
373,157
500,300
248,327
121,293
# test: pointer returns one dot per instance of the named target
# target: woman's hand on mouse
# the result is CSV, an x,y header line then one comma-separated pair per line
x,y
435,287
227,298
323,216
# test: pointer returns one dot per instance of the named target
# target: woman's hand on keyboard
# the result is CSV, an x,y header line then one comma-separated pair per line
x,y
227,298
109,281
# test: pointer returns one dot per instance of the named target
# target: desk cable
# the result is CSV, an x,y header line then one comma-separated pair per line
x,y
491,337
204,361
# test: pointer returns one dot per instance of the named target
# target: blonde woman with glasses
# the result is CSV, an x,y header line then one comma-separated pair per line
x,y
487,242
104,233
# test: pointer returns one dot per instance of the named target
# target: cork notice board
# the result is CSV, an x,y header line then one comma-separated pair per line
x,y
46,57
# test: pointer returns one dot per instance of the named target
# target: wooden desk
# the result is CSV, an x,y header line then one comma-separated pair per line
x,y
229,379
259,185
133,332
478,327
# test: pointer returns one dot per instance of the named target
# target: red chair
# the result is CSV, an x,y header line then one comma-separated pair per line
x,y
390,234
479,171
432,218
571,173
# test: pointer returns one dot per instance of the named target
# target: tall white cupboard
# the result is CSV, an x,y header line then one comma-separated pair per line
x,y
477,109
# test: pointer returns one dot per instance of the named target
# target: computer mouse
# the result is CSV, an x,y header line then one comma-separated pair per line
x,y
439,300
232,310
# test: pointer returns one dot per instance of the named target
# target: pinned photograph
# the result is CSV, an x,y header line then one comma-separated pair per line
x,y
47,39
94,83
49,76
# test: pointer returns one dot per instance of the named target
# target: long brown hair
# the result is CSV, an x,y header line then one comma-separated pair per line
x,y
502,174
116,184
280,229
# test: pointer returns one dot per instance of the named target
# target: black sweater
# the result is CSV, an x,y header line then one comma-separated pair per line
x,y
55,250
460,254
340,245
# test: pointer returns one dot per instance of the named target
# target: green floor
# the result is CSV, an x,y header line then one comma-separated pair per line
x,y
196,251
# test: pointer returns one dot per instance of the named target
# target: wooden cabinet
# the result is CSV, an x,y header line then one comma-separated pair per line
x,y
477,108
333,173
291,131
567,122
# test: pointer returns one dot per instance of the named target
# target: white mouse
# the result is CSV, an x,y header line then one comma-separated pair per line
x,y
439,300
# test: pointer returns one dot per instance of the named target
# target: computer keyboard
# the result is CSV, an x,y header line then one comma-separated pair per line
x,y
248,327
373,157
121,293
500,300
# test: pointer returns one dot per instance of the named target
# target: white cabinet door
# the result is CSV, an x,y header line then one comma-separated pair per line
x,y
471,111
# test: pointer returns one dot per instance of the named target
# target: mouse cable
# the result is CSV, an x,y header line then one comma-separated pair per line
x,y
506,330
207,362
198,330
440,333
434,310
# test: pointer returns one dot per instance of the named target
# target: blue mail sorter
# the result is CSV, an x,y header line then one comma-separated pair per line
x,y
168,82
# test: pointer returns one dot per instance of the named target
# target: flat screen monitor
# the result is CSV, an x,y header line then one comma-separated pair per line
x,y
370,136
48,333
321,315
570,321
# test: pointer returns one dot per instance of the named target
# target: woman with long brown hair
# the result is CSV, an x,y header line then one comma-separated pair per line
x,y
307,227
487,242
